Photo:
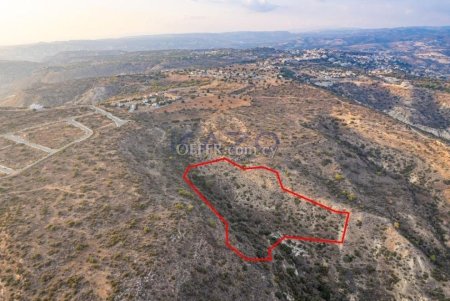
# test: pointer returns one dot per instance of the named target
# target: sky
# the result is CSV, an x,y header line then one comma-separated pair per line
x,y
31,21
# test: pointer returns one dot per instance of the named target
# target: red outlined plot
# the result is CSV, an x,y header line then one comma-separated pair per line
x,y
284,189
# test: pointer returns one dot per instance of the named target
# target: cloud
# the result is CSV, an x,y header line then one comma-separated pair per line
x,y
259,5
253,5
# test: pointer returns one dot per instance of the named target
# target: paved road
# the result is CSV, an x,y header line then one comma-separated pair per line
x,y
72,121
119,122
88,133
20,140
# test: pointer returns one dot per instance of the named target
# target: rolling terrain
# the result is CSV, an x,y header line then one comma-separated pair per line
x,y
93,205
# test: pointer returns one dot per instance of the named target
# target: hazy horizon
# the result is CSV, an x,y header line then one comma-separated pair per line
x,y
29,22
300,31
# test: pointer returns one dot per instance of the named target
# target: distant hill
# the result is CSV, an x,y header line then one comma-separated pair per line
x,y
238,40
379,38
29,72
67,76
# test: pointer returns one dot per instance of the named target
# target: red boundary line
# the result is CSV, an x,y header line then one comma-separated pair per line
x,y
284,237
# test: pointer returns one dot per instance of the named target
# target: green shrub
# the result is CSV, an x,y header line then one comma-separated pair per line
x,y
338,177
184,193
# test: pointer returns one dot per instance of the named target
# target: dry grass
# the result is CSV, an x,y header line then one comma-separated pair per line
x,y
19,156
53,136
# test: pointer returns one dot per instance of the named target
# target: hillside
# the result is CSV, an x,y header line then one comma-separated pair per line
x,y
327,175
111,217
